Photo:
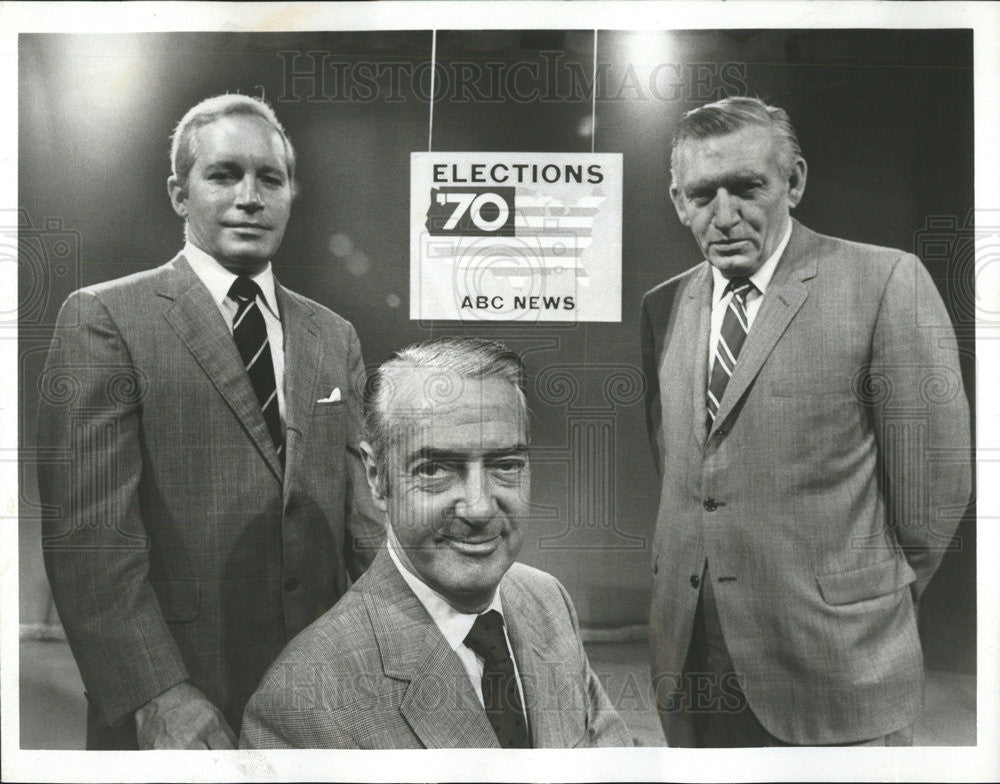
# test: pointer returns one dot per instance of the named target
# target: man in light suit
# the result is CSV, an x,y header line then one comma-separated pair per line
x,y
445,641
205,498
808,418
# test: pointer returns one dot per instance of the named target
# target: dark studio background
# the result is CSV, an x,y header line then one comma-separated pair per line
x,y
884,118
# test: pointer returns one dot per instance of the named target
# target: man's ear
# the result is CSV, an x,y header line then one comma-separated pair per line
x,y
678,200
797,182
375,484
178,195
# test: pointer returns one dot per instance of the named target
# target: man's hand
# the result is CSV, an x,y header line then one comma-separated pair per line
x,y
182,718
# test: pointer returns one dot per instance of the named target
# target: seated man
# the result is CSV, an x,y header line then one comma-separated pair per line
x,y
444,641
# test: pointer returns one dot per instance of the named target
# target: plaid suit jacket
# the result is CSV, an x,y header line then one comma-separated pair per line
x,y
376,673
177,545
824,494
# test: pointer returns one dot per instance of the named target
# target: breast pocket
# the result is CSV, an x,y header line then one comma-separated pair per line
x,y
328,428
806,386
329,409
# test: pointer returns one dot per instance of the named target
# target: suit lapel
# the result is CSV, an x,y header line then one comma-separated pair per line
x,y
197,321
526,640
439,704
538,666
785,295
303,358
695,320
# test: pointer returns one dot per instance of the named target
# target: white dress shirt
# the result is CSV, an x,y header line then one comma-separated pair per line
x,y
721,298
455,625
218,280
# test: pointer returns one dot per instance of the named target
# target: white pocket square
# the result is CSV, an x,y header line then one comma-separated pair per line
x,y
333,398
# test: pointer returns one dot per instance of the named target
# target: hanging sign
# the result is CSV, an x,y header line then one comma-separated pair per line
x,y
515,236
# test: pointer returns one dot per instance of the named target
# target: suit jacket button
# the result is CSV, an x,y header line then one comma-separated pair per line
x,y
291,583
695,581
710,504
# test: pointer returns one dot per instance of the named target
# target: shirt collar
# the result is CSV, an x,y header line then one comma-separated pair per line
x,y
218,279
761,278
454,625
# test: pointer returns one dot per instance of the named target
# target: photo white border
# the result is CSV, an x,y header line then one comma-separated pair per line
x,y
980,763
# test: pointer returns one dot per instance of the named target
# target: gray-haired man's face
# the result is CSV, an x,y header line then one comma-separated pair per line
x,y
457,481
733,194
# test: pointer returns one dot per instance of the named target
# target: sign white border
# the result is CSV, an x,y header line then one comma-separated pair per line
x,y
568,267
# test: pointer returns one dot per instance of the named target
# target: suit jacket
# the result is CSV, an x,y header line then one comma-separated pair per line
x,y
177,545
376,673
825,493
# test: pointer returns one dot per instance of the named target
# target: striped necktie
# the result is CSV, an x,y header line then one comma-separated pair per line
x,y
734,331
250,334
501,695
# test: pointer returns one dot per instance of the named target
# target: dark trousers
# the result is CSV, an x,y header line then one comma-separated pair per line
x,y
101,737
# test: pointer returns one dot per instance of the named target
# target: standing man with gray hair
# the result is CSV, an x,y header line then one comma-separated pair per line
x,y
213,502
808,418
445,642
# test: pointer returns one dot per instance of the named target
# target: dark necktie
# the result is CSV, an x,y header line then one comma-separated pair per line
x,y
250,334
501,696
734,331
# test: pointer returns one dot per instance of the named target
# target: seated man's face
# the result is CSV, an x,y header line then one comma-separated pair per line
x,y
458,481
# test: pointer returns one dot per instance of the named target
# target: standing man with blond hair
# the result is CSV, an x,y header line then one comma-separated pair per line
x,y
214,502
807,415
